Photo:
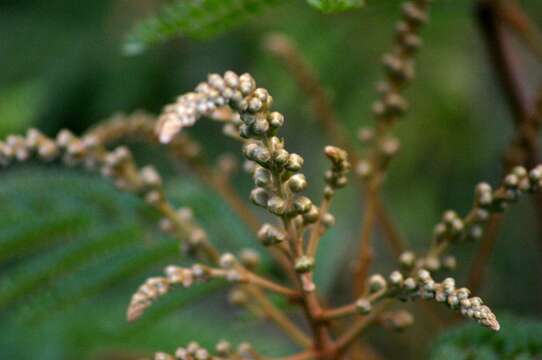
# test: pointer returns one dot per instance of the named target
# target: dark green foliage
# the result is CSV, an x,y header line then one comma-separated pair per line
x,y
193,18
519,338
331,6
73,250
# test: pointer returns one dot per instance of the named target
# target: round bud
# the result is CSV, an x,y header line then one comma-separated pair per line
x,y
270,235
410,284
294,163
246,84
396,278
297,183
259,196
364,306
312,215
281,157
328,220
223,348
302,204
276,205
261,176
304,264
407,259
227,261
260,126
377,283
249,258
276,120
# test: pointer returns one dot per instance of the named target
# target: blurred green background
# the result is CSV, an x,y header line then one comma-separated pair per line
x,y
72,249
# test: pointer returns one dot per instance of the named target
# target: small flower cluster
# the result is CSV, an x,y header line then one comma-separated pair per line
x,y
223,351
140,125
399,64
340,167
488,201
118,165
422,286
239,92
155,287
408,261
231,270
391,105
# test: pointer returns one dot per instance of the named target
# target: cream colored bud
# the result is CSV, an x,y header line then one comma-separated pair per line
x,y
276,120
364,306
407,259
249,258
376,283
304,264
276,205
223,348
270,235
259,196
312,215
396,278
261,176
246,84
328,220
297,182
302,204
294,163
227,261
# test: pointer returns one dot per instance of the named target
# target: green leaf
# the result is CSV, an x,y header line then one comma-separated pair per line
x,y
333,6
197,19
518,338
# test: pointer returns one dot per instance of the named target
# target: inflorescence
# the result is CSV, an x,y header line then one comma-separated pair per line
x,y
298,223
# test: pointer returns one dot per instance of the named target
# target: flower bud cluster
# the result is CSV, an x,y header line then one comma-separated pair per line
x,y
238,92
256,123
340,166
422,286
140,125
488,201
399,63
409,261
391,104
155,287
276,176
223,351
117,164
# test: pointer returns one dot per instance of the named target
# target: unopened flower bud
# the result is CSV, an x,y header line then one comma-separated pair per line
x,y
302,204
297,183
294,163
364,306
276,205
312,215
377,283
259,196
304,264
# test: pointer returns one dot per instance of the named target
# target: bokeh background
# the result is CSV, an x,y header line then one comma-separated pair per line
x,y
72,249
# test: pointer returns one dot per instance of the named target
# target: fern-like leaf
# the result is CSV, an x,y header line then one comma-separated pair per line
x,y
519,338
193,18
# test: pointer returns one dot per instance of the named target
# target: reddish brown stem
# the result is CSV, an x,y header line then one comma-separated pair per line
x,y
481,259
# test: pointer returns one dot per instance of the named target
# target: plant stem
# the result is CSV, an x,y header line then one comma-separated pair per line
x,y
279,318
365,248
481,259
